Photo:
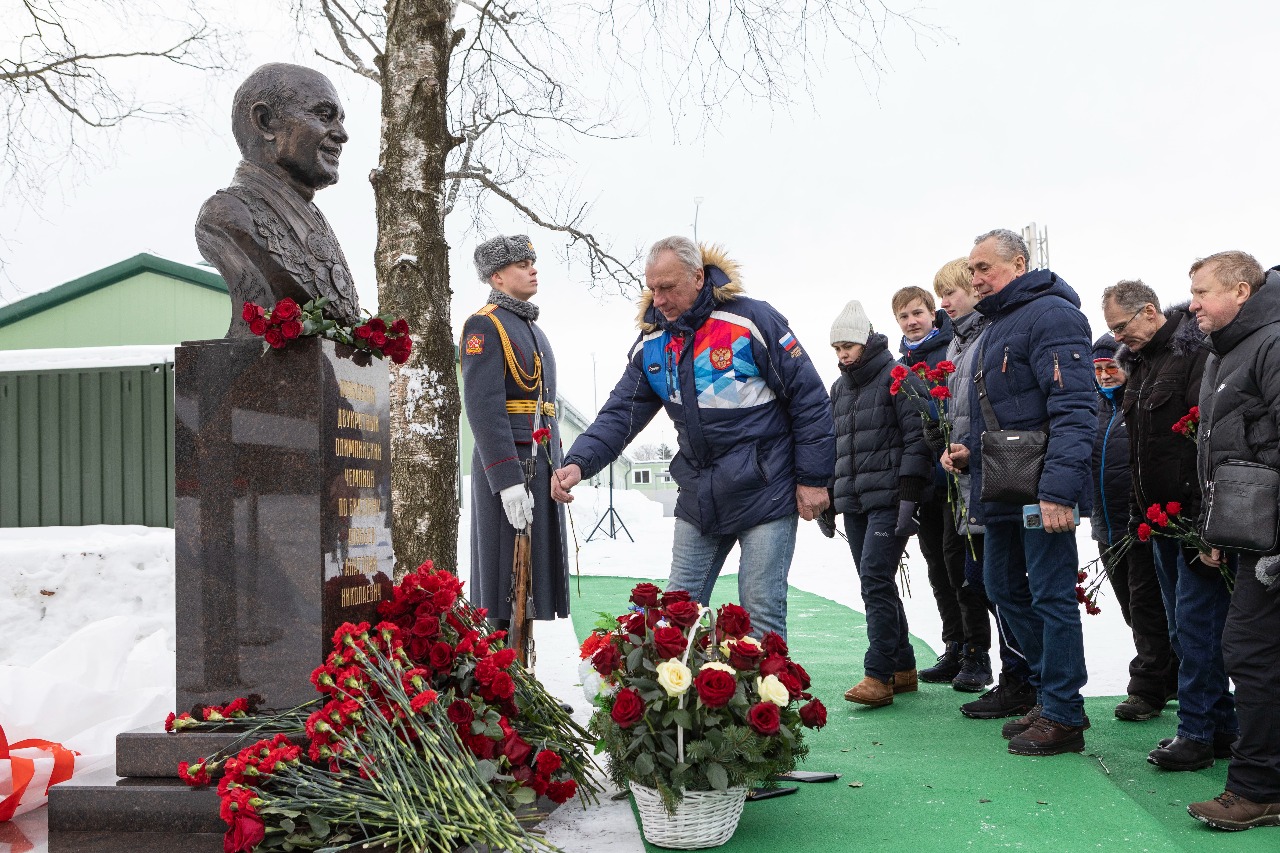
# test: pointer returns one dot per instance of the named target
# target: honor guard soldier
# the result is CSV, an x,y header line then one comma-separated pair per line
x,y
519,562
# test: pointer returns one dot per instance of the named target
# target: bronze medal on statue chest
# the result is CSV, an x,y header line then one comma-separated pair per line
x,y
320,246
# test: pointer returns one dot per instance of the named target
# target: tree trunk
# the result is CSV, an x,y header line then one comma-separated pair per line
x,y
412,261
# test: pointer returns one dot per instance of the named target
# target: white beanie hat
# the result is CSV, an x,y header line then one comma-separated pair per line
x,y
852,325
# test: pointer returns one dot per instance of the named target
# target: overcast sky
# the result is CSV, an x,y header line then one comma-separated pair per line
x,y
1140,135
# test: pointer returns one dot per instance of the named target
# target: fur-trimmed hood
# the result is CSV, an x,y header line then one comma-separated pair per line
x,y
719,270
1187,338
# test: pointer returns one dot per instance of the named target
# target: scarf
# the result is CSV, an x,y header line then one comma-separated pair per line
x,y
911,347
525,310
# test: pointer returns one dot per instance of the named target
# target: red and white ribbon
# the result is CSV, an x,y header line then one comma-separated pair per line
x,y
28,769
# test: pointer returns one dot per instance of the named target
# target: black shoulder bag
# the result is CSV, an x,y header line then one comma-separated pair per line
x,y
1012,459
1241,511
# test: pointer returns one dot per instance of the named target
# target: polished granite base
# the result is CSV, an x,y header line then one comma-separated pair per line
x,y
101,801
151,752
135,842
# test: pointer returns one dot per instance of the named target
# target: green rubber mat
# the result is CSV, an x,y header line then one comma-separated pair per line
x,y
920,776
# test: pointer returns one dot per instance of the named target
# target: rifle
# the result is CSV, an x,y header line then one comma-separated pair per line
x,y
522,610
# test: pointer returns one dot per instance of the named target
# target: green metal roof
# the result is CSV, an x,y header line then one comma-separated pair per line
x,y
104,278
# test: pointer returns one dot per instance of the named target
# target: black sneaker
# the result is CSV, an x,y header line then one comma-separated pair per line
x,y
975,671
947,667
1006,699
1182,754
1136,709
1222,744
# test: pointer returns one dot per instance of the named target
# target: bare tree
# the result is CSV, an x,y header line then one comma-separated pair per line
x,y
57,83
480,98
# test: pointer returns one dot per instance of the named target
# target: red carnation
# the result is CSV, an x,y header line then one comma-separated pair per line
x,y
940,392
1153,512
715,687
548,762
814,714
682,613
503,686
286,309
1173,507
628,708
934,375
733,621
561,792
764,717
1144,532
645,595
947,367
895,386
503,659
669,641
541,435
898,372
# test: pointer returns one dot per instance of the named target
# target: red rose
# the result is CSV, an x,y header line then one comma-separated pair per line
x,y
480,746
258,326
1173,507
792,683
250,312
671,596
286,309
460,712
425,625
633,623
645,595
363,332
516,749
798,671
628,708
290,329
561,792
744,655
940,392
733,621
400,327
1144,532
441,655
245,833
377,324
773,664
606,660
715,687
378,339
774,644
899,372
764,717
274,337
682,613
669,641
813,715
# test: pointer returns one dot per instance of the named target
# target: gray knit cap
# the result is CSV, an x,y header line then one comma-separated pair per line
x,y
852,325
493,255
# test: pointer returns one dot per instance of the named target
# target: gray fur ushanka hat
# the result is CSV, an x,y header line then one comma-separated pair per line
x,y
493,255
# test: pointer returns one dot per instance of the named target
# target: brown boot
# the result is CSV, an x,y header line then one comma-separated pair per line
x,y
905,681
871,692
1233,812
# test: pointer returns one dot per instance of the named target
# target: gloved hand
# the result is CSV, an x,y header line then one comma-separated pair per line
x,y
1268,573
827,522
518,504
933,435
908,519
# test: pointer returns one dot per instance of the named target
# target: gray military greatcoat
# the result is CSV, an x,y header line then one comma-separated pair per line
x,y
502,441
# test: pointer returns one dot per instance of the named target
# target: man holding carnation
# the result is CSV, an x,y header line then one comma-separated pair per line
x,y
1239,308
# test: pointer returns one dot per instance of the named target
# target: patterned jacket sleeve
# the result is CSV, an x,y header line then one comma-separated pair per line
x,y
631,405
795,380
484,395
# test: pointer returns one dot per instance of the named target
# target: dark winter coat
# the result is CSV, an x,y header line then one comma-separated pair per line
x,y
963,353
1240,392
502,441
759,423
1163,385
1112,481
881,455
1034,355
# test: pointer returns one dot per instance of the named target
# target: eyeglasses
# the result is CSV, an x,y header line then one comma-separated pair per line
x,y
1106,369
1120,329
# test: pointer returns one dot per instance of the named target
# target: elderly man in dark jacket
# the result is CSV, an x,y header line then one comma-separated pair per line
x,y
1130,564
1164,354
751,416
1239,309
883,470
1033,370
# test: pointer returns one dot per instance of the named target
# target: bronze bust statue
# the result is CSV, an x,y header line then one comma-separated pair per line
x,y
264,232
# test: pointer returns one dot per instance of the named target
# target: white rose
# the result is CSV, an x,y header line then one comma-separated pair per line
x,y
750,641
723,667
675,677
773,690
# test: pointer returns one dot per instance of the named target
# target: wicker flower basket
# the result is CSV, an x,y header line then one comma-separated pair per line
x,y
702,818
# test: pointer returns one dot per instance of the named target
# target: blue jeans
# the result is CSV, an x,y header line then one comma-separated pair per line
x,y
1031,577
876,552
1196,603
696,560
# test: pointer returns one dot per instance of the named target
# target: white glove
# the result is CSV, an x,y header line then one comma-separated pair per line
x,y
519,506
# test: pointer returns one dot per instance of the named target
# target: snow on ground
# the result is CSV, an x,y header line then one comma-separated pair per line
x,y
85,357
88,644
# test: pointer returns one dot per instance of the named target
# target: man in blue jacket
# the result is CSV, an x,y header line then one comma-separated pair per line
x,y
753,421
1034,362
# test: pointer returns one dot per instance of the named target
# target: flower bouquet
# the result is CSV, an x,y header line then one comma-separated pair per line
x,y
287,321
693,711
429,738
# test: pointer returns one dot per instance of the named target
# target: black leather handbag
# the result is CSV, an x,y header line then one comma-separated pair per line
x,y
1242,507
1012,459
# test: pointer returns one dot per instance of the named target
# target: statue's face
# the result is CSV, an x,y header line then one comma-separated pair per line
x,y
309,134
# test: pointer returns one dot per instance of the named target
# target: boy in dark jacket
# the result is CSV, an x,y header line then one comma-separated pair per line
x,y
882,471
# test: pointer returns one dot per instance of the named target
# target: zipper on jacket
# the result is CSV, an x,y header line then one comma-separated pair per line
x,y
1102,472
1057,371
1004,364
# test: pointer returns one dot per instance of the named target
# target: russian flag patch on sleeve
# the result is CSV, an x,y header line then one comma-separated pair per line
x,y
788,341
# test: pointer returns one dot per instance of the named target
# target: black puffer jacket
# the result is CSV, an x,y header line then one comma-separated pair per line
x,y
881,456
1163,385
1240,394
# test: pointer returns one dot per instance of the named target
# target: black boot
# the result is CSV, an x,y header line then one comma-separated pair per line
x,y
1182,754
947,667
975,671
1009,698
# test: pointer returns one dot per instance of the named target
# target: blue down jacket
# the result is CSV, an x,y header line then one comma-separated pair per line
x,y
1035,355
752,417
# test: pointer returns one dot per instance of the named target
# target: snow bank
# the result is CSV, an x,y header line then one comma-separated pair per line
x,y
82,357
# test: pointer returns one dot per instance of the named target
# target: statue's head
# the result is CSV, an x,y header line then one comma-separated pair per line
x,y
289,117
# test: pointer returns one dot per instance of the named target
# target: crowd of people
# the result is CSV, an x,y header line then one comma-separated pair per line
x,y
1000,423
